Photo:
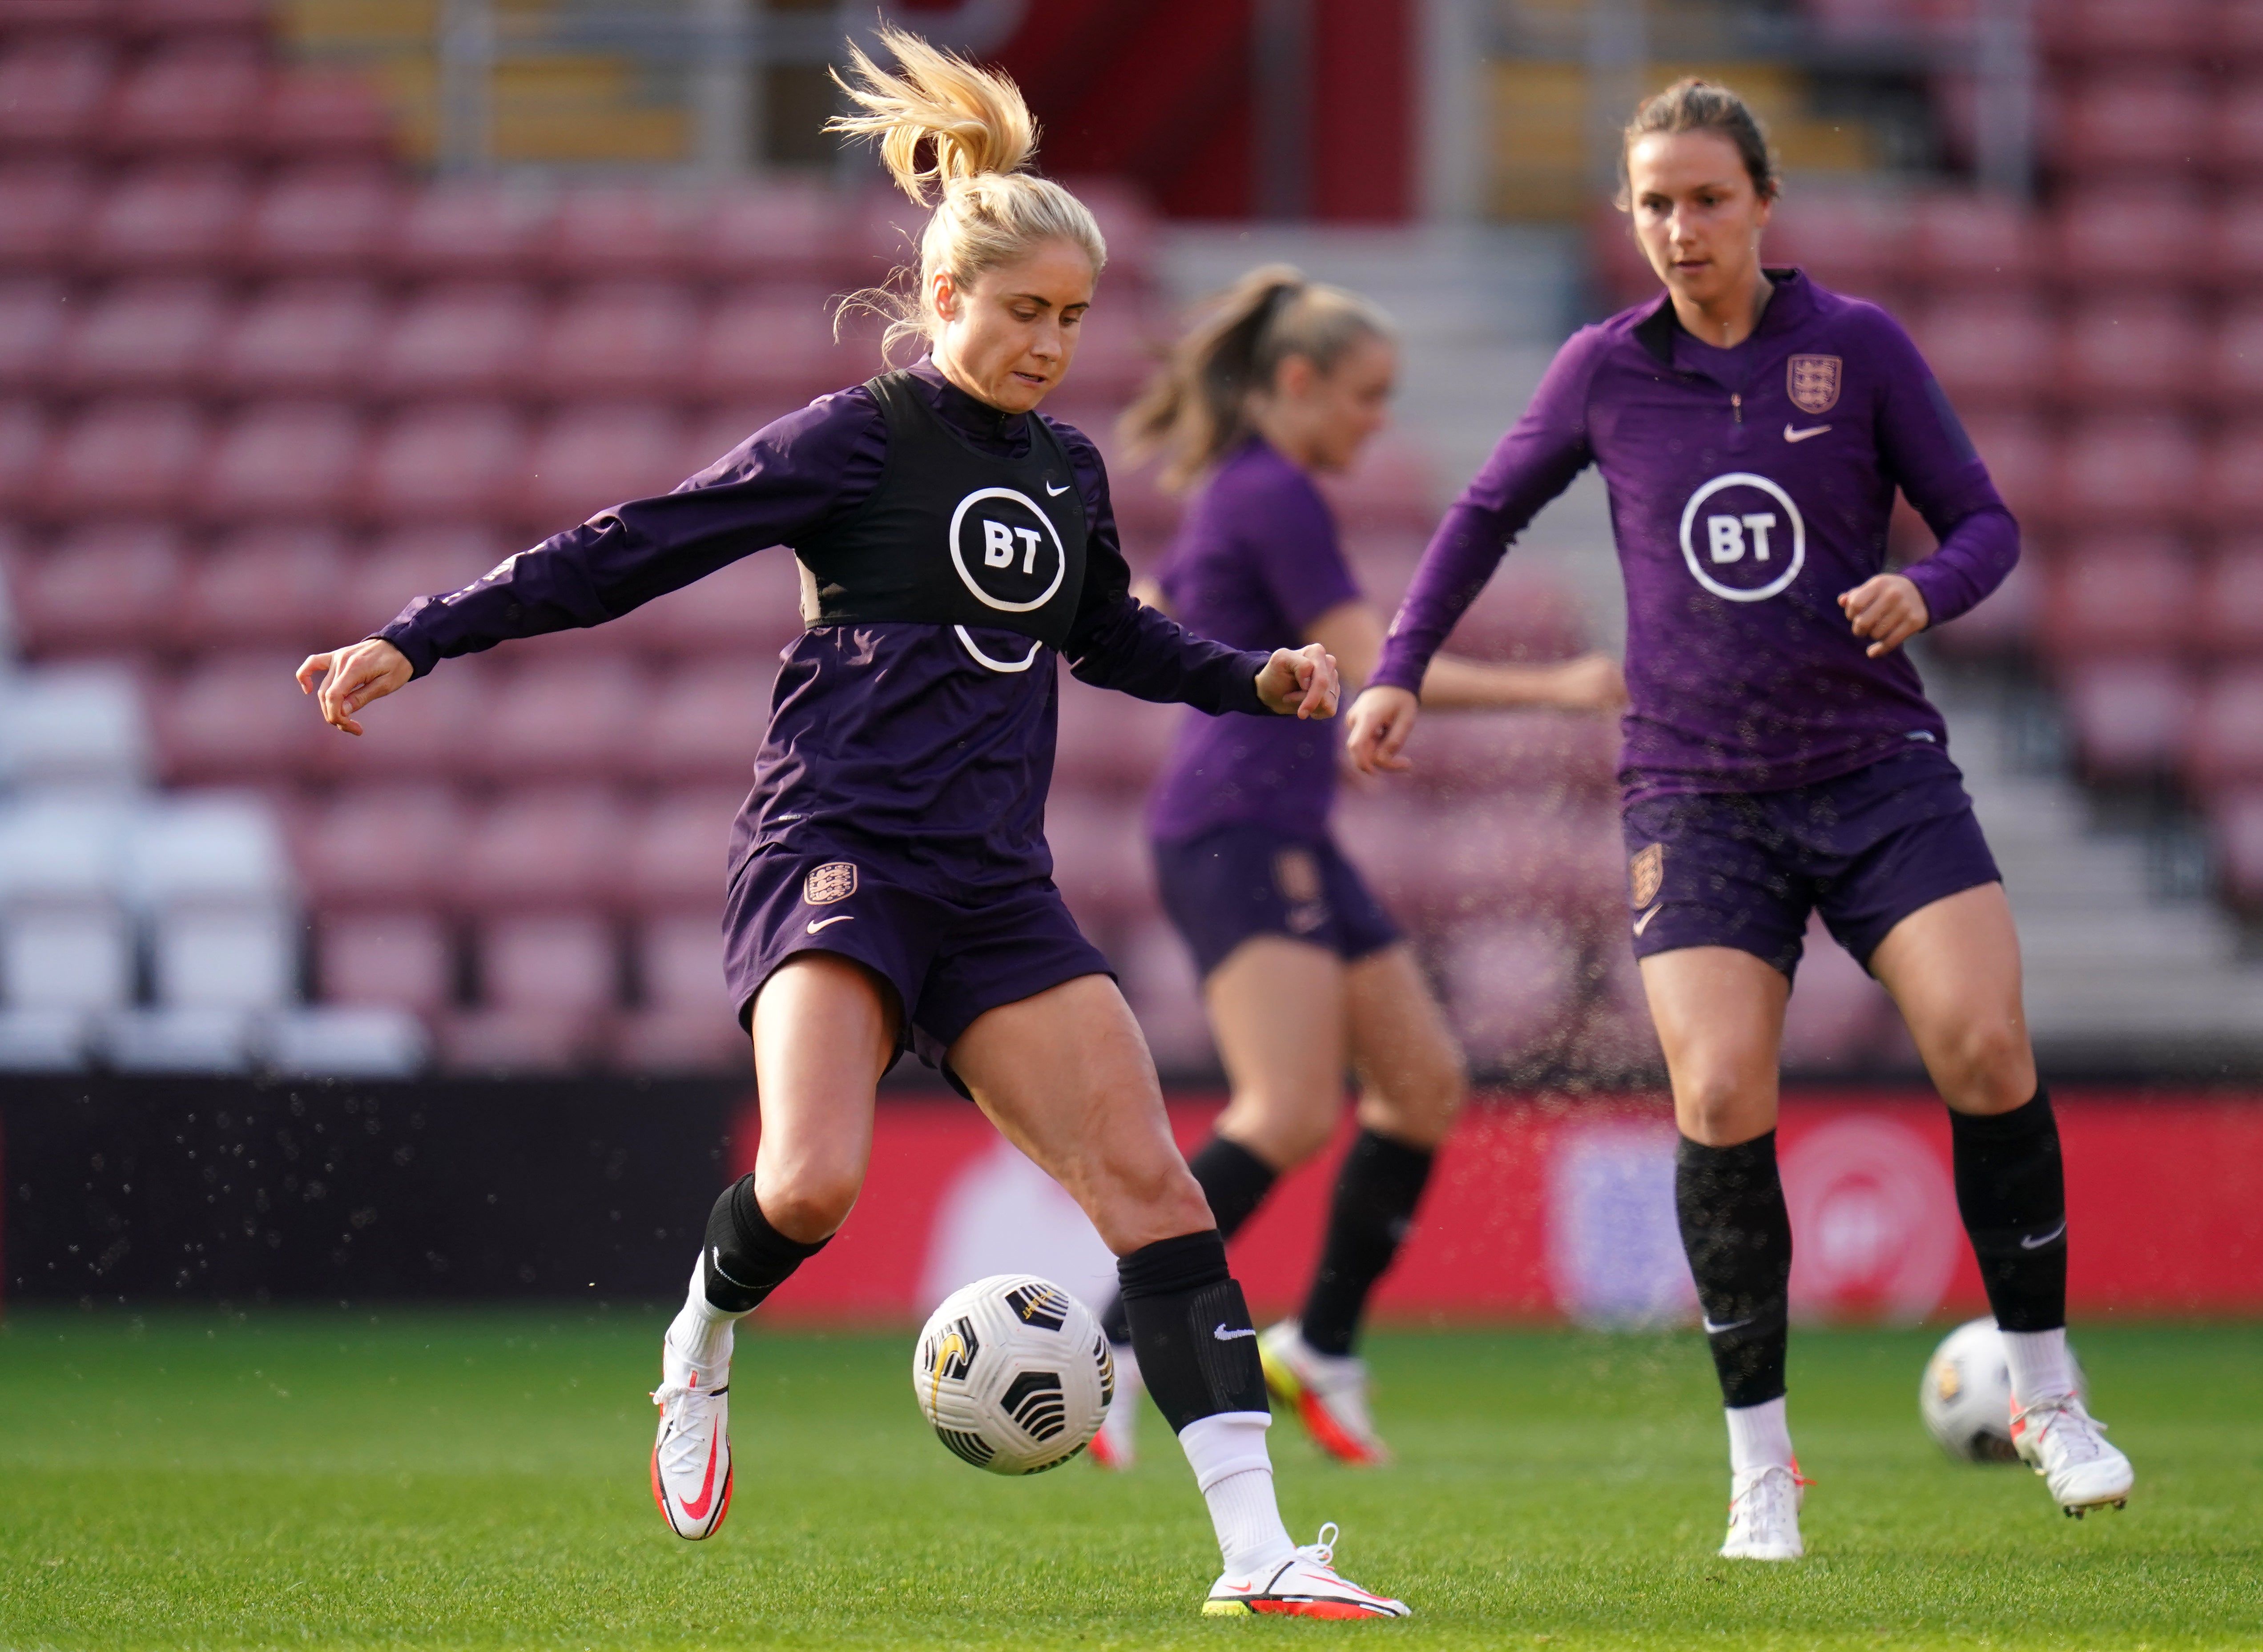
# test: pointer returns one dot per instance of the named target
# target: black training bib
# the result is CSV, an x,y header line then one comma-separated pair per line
x,y
953,536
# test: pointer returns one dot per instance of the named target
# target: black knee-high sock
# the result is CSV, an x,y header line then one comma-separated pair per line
x,y
747,1259
1235,1181
2010,1190
1737,1236
1191,1330
1381,1183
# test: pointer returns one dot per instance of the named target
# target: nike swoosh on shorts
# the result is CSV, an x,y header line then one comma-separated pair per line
x,y
1791,434
1643,922
816,924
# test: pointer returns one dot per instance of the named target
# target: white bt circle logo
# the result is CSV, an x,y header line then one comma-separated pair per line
x,y
1752,547
1007,550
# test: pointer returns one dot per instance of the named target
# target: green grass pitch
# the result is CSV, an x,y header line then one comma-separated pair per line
x,y
475,1480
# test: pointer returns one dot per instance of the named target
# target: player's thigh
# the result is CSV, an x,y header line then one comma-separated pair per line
x,y
1277,1010
1953,967
825,1029
1412,1077
1066,1075
1719,1014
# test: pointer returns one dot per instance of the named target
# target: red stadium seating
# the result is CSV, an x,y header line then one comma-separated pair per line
x,y
2133,234
169,217
678,844
313,337
101,589
1512,989
2236,822
2113,31
2235,145
770,232
1390,487
576,718
1101,861
1110,742
44,208
401,959
2132,123
1548,755
2128,350
1991,350
2132,595
2022,460
2236,357
1525,614
413,562
2227,732
1472,859
470,230
687,1024
2235,250
124,457
23,443
2230,604
201,99
619,339
2002,626
381,848
36,19
52,94
759,343
1838,1014
751,607
589,457
2122,468
31,315
1979,240
221,20
2233,479
332,219
154,334
1849,241
706,718
614,232
713,434
428,730
239,718
267,585
456,461
550,961
542,849
284,459
330,114
471,339
2132,718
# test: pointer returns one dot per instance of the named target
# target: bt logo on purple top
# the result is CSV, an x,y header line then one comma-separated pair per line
x,y
1006,551
1754,538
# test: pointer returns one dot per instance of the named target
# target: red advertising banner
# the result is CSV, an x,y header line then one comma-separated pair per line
x,y
1545,1209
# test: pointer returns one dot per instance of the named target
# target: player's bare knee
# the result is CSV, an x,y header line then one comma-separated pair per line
x,y
1718,1108
808,1205
1985,1066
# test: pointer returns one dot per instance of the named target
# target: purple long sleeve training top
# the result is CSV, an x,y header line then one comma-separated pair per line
x,y
1748,488
889,742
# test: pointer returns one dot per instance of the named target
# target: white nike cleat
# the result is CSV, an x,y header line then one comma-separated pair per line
x,y
2063,1442
691,1456
1327,1391
1304,1585
1764,1514
1117,1445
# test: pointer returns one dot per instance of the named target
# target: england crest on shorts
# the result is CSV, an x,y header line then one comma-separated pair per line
x,y
835,880
1813,382
1646,874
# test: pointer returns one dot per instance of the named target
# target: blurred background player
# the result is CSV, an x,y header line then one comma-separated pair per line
x,y
890,882
1781,756
1303,974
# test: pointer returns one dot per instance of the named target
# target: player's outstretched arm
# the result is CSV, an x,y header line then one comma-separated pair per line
x,y
1300,683
351,678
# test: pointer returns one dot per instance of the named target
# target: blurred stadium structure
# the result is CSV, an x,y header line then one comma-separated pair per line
x,y
304,312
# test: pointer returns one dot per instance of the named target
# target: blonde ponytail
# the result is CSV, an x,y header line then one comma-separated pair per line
x,y
1197,406
978,135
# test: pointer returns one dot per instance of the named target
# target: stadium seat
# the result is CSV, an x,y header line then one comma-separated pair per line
x,y
81,727
197,99
543,848
124,457
412,562
2132,718
462,231
1975,242
2122,468
428,729
283,460
713,434
109,588
239,718
23,444
2230,604
1112,742
31,316
326,219
44,208
678,847
1512,991
2129,351
212,874
2234,256
1990,348
2234,145
1856,243
2235,358
2236,834
761,342
2231,481
2022,460
1447,864
1837,1015
460,339
1527,613
453,462
2110,32
2227,738
327,114
41,19
548,1040
679,965
577,719
2110,596
401,959
618,339
1158,976
663,1041
379,846
706,718
1101,861
52,95
607,231
589,456
776,231
169,217
550,960
2122,121
1546,756
313,337
222,21
2133,235
155,333
266,585
1390,487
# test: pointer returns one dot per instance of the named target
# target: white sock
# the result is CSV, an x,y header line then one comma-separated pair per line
x,y
701,1333
1227,1453
2040,1368
1759,1436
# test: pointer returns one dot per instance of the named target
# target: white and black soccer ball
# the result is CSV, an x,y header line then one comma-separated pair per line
x,y
1965,1395
1014,1374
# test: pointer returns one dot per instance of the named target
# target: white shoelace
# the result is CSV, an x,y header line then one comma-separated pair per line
x,y
2048,1417
682,1446
1759,1506
1322,1550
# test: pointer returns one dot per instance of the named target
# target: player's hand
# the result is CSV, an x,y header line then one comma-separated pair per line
x,y
1593,682
1302,682
1381,720
1888,609
351,678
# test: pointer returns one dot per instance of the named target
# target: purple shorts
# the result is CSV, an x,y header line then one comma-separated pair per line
x,y
1743,869
1234,882
949,963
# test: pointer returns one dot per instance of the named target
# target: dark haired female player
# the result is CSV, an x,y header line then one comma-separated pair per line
x,y
1303,975
1780,754
890,883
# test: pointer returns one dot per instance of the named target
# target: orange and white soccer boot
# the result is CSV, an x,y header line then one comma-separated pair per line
x,y
2064,1443
1764,1514
1328,1393
1304,1585
691,1456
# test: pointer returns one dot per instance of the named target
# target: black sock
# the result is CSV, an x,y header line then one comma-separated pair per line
x,y
1191,1330
1381,1183
2011,1189
1737,1236
1235,1181
747,1259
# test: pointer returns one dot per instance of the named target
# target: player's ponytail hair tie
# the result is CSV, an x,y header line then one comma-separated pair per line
x,y
962,137
1197,406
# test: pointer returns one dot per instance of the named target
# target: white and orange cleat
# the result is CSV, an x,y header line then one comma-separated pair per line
x,y
1764,1514
1116,1446
1304,1585
691,1456
1328,1393
2062,1441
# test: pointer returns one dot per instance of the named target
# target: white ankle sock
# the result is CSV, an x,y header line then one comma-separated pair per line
x,y
701,1333
1227,1453
1759,1436
2040,1368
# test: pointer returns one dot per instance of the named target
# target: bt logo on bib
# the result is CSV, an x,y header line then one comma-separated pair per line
x,y
1006,550
1743,537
